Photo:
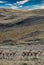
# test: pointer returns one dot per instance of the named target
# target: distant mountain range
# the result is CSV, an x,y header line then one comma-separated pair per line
x,y
19,26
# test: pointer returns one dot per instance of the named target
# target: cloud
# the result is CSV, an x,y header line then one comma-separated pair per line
x,y
22,2
35,6
9,4
14,7
42,7
2,2
20,6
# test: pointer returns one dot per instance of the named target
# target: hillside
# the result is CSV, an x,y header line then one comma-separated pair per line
x,y
18,26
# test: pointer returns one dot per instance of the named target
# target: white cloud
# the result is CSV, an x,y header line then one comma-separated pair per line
x,y
42,7
14,7
2,2
37,7
19,5
22,2
9,4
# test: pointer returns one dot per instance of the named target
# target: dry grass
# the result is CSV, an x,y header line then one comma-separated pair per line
x,y
21,63
17,33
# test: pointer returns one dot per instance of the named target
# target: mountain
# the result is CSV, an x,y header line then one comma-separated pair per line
x,y
16,26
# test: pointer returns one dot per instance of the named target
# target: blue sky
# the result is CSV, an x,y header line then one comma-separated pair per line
x,y
22,4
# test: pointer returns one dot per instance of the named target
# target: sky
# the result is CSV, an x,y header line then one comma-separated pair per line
x,y
22,4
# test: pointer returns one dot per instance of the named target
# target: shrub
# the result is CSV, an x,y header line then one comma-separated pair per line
x,y
24,64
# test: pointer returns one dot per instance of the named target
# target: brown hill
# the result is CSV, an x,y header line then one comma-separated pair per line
x,y
21,26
